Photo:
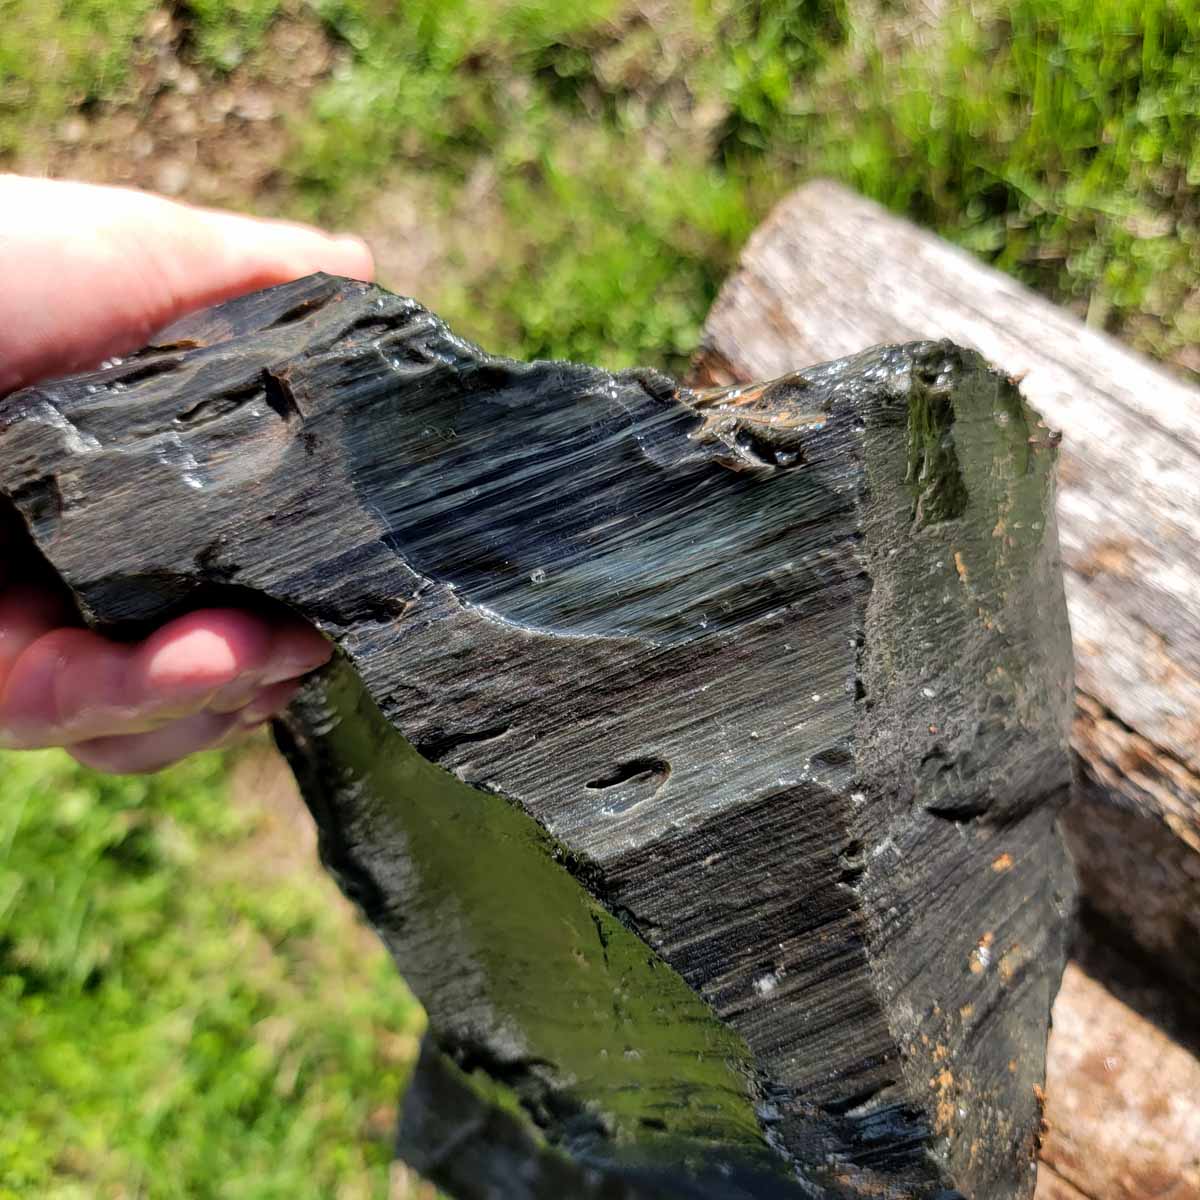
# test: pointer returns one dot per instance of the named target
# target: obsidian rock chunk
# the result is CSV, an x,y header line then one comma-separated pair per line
x,y
697,754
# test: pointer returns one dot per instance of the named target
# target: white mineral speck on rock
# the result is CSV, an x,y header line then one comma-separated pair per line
x,y
764,985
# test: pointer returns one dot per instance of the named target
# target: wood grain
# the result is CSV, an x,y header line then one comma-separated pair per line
x,y
1122,1117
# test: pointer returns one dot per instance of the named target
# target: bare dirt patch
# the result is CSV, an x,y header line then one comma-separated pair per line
x,y
185,130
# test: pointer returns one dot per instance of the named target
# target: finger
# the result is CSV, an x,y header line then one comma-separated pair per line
x,y
100,269
154,750
269,702
69,683
137,753
27,613
221,657
73,685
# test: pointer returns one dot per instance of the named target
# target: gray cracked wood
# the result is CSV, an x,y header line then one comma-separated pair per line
x,y
1121,1102
832,269
698,755
830,272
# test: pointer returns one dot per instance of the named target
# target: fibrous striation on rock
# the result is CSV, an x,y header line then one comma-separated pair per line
x,y
697,754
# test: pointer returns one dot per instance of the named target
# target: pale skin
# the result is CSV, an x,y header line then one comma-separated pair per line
x,y
89,272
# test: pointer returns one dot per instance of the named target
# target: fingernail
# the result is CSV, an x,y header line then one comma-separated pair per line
x,y
358,246
192,662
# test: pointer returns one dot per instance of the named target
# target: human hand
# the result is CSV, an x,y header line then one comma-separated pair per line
x,y
90,272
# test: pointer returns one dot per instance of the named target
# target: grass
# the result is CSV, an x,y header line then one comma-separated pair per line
x,y
55,57
1059,139
629,148
632,154
172,1020
583,175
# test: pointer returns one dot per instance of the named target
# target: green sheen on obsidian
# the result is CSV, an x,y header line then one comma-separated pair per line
x,y
672,736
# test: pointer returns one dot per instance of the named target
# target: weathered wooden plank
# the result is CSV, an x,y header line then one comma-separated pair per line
x,y
1122,1118
698,756
830,271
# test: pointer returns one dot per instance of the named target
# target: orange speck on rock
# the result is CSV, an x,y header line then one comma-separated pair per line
x,y
1002,862
1009,961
